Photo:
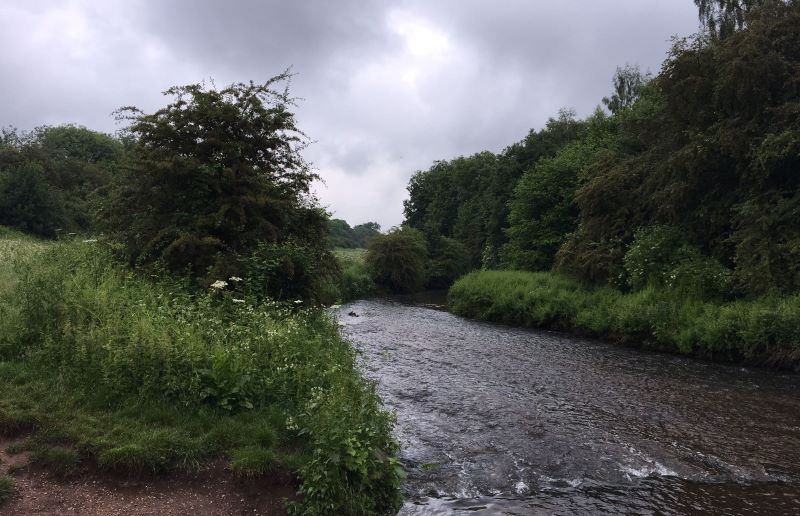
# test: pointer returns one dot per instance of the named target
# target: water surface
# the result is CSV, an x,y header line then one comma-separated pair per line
x,y
498,420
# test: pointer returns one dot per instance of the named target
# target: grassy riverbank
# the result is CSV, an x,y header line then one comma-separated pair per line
x,y
355,281
761,331
104,369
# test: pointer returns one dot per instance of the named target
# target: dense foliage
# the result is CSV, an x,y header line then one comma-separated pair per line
x,y
398,259
152,378
341,235
216,176
466,198
714,149
710,147
51,179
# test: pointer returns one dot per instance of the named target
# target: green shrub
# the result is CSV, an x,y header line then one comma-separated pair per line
x,y
57,460
398,259
7,489
651,255
660,257
448,261
290,270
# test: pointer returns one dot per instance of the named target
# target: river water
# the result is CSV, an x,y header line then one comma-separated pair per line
x,y
498,420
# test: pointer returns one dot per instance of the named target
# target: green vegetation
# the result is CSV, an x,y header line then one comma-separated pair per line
x,y
682,196
215,187
355,281
341,235
102,366
397,260
7,489
50,179
192,331
765,331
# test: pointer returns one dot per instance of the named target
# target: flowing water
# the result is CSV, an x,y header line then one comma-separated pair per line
x,y
498,420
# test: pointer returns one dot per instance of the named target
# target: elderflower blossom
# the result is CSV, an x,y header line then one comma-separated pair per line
x,y
235,279
219,284
237,300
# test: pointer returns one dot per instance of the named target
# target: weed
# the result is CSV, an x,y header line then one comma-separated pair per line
x,y
7,489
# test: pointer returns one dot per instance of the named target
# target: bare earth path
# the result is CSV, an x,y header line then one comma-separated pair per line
x,y
211,492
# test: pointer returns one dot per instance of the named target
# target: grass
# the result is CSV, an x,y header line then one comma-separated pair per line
x,y
355,281
101,367
7,489
763,331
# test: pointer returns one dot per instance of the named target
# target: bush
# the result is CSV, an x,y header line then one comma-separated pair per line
x,y
651,255
448,262
398,259
660,257
355,281
290,270
7,489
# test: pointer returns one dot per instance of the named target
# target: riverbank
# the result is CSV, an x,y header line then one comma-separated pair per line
x,y
105,371
764,331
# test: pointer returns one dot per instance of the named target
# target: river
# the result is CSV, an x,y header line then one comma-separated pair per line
x,y
499,420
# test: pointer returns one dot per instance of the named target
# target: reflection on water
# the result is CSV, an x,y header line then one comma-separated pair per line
x,y
497,420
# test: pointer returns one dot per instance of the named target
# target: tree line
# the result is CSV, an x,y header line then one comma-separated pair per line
x,y
688,177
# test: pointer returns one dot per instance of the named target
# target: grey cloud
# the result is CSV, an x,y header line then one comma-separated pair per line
x,y
389,87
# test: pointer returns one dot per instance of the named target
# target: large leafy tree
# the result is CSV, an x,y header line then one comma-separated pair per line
x,y
543,209
467,198
723,17
52,177
714,150
213,176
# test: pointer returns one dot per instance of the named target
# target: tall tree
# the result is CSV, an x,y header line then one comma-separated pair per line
x,y
628,84
214,175
723,17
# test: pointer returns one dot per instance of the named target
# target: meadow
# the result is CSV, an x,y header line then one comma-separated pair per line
x,y
108,369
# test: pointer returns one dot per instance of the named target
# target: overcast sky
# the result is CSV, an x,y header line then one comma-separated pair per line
x,y
388,86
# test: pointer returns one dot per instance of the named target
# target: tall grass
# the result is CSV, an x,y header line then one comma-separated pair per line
x,y
141,375
762,331
355,281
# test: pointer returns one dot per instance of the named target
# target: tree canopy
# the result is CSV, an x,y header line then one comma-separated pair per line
x,y
708,149
213,177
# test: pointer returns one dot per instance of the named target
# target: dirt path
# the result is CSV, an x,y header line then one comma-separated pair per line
x,y
214,491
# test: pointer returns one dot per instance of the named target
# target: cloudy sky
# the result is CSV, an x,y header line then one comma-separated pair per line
x,y
388,86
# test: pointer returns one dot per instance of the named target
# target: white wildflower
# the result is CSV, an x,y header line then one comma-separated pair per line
x,y
298,301
219,284
237,300
235,279
90,241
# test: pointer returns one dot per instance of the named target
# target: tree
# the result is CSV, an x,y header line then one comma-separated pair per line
x,y
398,259
213,176
628,84
362,233
26,201
63,169
723,17
340,234
542,209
